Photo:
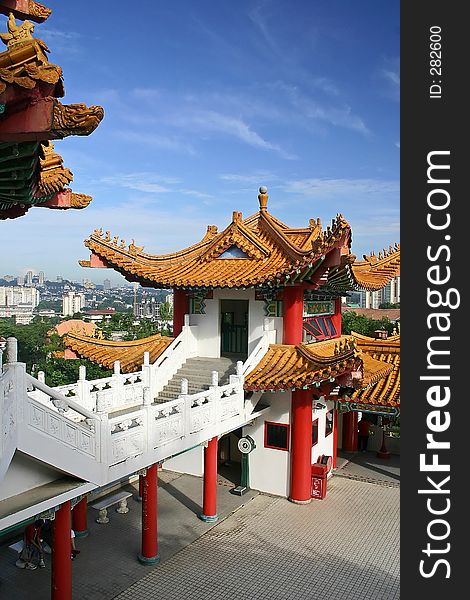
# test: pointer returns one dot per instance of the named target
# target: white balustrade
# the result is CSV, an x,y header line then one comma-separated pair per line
x,y
81,416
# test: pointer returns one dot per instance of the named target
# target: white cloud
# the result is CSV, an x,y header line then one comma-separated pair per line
x,y
320,188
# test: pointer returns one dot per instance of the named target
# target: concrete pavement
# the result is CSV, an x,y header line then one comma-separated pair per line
x,y
343,547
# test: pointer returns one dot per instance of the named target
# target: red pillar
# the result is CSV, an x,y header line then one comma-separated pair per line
x,y
301,447
350,431
336,318
335,437
61,584
79,518
209,507
293,314
180,308
149,554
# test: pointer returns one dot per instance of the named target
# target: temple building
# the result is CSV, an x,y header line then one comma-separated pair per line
x,y
269,296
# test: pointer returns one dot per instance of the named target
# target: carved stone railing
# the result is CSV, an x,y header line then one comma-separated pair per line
x,y
8,417
64,419
101,446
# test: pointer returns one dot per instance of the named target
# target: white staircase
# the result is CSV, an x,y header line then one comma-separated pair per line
x,y
103,430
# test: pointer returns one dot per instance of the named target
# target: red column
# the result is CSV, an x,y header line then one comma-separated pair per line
x,y
301,447
336,318
61,584
180,308
79,518
209,507
335,437
149,554
350,431
293,298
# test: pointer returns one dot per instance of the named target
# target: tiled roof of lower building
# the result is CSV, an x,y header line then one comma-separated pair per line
x,y
379,389
130,354
287,367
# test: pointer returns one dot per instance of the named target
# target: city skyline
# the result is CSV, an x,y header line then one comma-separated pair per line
x,y
304,101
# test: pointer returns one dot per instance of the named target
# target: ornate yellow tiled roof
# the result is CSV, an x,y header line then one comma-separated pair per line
x,y
286,367
25,63
372,273
269,249
381,388
130,354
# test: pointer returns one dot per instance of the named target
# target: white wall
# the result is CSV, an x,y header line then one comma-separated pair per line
x,y
191,462
209,324
269,468
24,474
325,444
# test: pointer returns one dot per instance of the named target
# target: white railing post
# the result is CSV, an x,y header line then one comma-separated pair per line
x,y
101,404
83,389
117,386
214,378
42,379
147,371
147,397
184,387
12,350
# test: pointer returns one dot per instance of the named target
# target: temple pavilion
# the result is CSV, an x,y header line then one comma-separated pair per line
x,y
256,281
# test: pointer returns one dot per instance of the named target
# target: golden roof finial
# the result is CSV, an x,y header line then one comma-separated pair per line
x,y
17,35
263,198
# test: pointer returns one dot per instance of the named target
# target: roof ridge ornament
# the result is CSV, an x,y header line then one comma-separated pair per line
x,y
17,34
263,198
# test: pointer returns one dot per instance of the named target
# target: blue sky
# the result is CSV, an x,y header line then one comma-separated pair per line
x,y
206,101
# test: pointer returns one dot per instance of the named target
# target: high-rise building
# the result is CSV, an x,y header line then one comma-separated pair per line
x,y
390,293
18,302
20,280
41,278
72,302
107,285
15,295
29,278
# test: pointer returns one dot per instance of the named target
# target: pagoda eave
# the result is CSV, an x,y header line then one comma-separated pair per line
x,y
25,9
48,119
66,199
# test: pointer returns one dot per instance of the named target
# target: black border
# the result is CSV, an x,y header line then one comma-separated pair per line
x,y
429,124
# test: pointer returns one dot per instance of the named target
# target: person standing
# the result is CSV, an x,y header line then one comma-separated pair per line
x,y
32,554
364,430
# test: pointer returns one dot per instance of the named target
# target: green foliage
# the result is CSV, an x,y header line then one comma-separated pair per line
x,y
166,311
389,305
134,329
351,321
60,371
37,347
33,346
50,305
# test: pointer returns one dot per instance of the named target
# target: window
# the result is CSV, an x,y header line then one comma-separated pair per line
x,y
329,423
315,432
276,435
320,328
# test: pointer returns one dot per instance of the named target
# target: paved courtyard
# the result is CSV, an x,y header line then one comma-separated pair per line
x,y
344,547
